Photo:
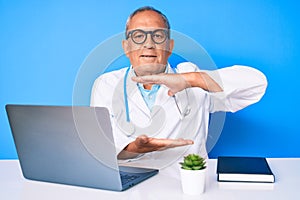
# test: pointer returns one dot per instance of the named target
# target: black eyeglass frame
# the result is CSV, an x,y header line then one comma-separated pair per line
x,y
130,33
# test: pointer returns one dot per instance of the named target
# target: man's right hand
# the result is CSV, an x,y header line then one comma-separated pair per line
x,y
145,144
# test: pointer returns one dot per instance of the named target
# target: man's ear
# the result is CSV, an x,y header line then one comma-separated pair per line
x,y
125,47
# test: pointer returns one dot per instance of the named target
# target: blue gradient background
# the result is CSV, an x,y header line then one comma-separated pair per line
x,y
43,44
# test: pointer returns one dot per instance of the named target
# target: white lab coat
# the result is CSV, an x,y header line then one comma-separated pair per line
x,y
242,86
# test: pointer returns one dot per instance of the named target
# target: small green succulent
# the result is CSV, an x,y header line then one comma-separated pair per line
x,y
193,162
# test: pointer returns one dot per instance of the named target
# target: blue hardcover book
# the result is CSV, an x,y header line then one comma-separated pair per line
x,y
244,169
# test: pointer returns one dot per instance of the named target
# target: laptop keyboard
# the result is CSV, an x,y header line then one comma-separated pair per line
x,y
126,178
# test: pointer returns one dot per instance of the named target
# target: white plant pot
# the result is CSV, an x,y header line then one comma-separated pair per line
x,y
193,181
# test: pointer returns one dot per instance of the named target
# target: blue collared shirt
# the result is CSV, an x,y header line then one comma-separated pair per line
x,y
149,96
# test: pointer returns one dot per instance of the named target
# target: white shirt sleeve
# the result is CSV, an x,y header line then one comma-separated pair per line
x,y
242,86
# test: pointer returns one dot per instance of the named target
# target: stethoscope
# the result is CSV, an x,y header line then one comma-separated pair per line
x,y
131,128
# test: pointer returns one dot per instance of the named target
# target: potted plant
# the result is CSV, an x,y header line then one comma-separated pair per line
x,y
193,174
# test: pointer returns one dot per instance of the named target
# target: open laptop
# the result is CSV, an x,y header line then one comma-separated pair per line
x,y
70,145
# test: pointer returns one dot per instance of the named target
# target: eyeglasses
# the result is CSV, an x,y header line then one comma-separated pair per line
x,y
139,36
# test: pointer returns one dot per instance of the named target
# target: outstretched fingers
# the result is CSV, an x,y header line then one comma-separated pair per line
x,y
162,143
149,79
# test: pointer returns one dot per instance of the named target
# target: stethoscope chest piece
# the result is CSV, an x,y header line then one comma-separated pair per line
x,y
128,128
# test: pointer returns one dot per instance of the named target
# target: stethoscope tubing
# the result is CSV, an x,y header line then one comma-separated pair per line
x,y
125,95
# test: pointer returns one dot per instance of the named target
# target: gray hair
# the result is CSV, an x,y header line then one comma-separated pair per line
x,y
147,8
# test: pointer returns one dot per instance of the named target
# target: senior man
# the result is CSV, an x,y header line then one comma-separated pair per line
x,y
149,100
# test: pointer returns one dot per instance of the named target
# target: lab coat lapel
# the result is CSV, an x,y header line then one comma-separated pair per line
x,y
138,101
162,96
135,98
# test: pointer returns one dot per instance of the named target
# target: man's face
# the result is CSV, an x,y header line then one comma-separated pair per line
x,y
148,57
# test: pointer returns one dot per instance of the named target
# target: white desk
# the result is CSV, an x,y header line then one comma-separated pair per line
x,y
165,185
